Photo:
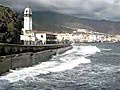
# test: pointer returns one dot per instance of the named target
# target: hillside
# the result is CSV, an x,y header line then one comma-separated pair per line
x,y
55,22
10,25
9,19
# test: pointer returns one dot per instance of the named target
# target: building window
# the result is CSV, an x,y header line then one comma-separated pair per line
x,y
32,34
41,36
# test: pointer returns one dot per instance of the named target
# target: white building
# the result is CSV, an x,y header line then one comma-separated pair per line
x,y
45,37
61,37
34,37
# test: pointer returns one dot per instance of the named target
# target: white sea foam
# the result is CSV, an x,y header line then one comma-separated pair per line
x,y
106,49
62,62
89,50
69,65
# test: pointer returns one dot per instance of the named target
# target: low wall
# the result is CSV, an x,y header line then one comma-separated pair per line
x,y
8,49
5,64
27,59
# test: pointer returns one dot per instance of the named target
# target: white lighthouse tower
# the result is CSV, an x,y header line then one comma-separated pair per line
x,y
27,19
27,35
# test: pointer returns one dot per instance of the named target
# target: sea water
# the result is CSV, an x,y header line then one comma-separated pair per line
x,y
93,66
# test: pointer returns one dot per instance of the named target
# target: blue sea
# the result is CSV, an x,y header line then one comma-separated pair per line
x,y
89,66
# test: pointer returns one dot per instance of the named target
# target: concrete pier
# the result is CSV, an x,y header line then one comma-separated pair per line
x,y
40,54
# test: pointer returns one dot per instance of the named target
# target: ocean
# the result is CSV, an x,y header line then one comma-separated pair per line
x,y
89,66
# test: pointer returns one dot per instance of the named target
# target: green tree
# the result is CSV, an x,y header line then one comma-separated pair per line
x,y
10,26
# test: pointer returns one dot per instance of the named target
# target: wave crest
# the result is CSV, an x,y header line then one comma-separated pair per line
x,y
66,61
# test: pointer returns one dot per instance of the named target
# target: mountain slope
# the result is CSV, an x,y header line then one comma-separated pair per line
x,y
9,19
55,22
10,25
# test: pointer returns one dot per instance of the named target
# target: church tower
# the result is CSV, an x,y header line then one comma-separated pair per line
x,y
27,19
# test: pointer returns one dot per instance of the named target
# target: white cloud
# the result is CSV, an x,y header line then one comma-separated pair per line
x,y
98,9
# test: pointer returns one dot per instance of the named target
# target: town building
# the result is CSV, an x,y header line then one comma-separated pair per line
x,y
84,35
64,37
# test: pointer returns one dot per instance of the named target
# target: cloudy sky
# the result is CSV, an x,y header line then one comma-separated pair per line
x,y
94,9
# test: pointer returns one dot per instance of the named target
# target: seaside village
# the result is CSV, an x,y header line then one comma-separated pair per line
x,y
36,37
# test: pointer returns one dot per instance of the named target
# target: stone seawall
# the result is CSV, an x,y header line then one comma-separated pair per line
x,y
27,59
8,49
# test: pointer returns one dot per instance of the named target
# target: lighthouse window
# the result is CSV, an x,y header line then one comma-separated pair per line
x,y
41,36
26,11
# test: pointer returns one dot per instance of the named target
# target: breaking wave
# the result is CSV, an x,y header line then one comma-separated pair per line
x,y
62,62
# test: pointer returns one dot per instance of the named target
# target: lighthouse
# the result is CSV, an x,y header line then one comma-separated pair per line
x,y
27,32
34,37
27,19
